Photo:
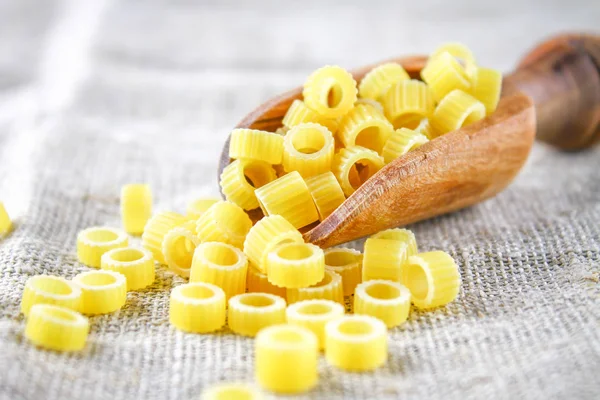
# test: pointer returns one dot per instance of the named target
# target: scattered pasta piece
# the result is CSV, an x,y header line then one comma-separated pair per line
x,y
240,178
56,328
389,301
137,265
286,358
156,229
460,52
232,391
308,148
377,81
289,197
314,315
486,88
356,343
348,264
224,222
444,74
256,145
220,264
407,103
365,126
198,207
93,242
402,235
178,249
5,222
248,313
197,307
328,288
370,102
257,282
136,207
46,289
432,278
299,113
326,192
401,142
266,235
383,259
102,292
354,165
456,110
295,265
330,91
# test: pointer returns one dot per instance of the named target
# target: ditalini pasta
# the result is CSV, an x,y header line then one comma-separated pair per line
x,y
137,265
102,292
289,197
354,165
456,110
459,51
156,229
224,222
308,148
389,301
197,307
383,259
178,246
377,81
486,88
365,126
314,315
5,222
198,207
370,102
47,289
248,313
295,265
56,328
407,102
432,278
356,343
326,192
348,264
265,236
220,264
330,91
401,142
444,74
256,145
402,235
136,207
425,128
328,288
93,242
232,391
299,113
240,178
257,282
286,358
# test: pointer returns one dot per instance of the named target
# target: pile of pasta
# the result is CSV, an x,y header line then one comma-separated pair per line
x,y
262,279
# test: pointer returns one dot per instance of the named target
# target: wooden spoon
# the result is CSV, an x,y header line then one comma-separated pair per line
x,y
559,81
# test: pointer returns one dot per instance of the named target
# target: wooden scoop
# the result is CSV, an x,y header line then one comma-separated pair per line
x,y
559,81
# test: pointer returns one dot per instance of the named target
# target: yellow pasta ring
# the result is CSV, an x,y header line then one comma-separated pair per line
x,y
137,265
401,142
383,259
459,51
378,80
93,242
444,74
299,113
402,235
326,192
248,313
256,145
328,288
344,167
240,179
314,315
407,102
178,248
56,328
5,222
102,291
47,289
308,148
295,265
456,110
330,91
136,207
389,301
487,87
197,307
156,229
224,222
365,126
348,264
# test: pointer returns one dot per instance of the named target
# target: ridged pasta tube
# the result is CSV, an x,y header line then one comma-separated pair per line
x,y
137,265
402,235
486,87
295,265
102,291
365,126
179,245
308,148
456,110
354,165
326,192
56,328
93,242
383,259
389,301
156,229
314,315
401,142
197,307
444,74
257,282
348,264
407,102
136,207
299,113
240,179
330,91
256,145
248,313
47,289
328,288
224,222
378,80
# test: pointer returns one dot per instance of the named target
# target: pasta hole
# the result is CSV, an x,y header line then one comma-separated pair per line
x,y
353,327
221,254
127,255
334,95
360,172
416,280
256,300
371,138
408,120
308,140
182,251
197,292
383,291
98,279
295,252
339,258
315,309
257,174
52,285
60,314
101,236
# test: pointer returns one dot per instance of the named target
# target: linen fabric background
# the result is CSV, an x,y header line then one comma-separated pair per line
x,y
96,94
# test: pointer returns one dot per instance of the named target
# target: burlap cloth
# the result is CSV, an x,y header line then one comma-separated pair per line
x,y
94,95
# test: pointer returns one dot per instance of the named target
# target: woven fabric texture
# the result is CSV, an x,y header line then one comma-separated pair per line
x,y
96,94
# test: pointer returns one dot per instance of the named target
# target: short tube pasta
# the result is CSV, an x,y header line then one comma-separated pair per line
x,y
47,289
328,288
93,242
314,315
248,313
178,248
389,301
295,265
258,282
330,91
365,126
444,74
354,165
240,179
402,235
299,113
407,102
197,307
56,328
377,81
102,291
308,148
224,222
256,145
486,87
456,110
137,265
156,229
348,264
136,207
383,259
326,192
401,142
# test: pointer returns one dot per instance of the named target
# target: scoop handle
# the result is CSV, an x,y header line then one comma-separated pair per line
x,y
562,76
